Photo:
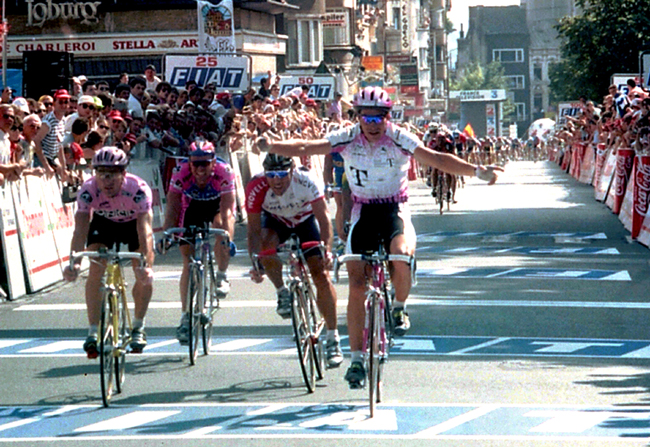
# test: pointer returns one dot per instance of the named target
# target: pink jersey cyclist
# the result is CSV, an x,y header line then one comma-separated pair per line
x,y
378,172
291,208
134,199
221,181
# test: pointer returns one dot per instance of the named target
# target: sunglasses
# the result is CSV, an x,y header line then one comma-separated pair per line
x,y
42,111
372,119
7,116
17,128
63,103
201,163
48,104
276,174
107,175
103,89
103,127
87,106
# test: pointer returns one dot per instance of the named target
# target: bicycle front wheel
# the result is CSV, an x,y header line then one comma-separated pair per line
x,y
374,352
107,339
123,331
211,305
302,329
195,305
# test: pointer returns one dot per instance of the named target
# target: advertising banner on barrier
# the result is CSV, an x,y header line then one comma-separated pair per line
x,y
60,220
321,87
36,238
13,264
149,171
225,72
606,177
624,162
641,193
587,167
625,215
601,155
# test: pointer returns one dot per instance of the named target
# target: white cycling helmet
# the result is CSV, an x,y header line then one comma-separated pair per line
x,y
110,156
372,98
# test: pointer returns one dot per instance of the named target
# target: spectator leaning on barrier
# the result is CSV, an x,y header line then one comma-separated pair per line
x,y
31,125
49,154
8,170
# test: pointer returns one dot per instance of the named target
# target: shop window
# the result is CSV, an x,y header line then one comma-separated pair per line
x,y
305,46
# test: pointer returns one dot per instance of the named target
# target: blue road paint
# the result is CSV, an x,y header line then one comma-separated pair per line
x,y
322,420
514,234
404,346
520,250
525,273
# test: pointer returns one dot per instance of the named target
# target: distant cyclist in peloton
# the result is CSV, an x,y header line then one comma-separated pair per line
x,y
201,191
114,207
377,155
280,202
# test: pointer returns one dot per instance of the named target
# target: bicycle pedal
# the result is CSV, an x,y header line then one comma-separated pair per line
x,y
205,319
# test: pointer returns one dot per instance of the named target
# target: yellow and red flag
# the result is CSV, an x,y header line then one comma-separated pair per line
x,y
469,131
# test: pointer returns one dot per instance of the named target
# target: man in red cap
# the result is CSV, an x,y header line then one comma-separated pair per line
x,y
220,105
48,149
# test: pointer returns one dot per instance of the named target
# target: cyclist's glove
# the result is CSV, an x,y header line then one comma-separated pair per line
x,y
233,249
163,245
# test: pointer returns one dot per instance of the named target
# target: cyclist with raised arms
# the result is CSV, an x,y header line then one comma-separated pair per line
x,y
280,202
114,207
377,155
201,191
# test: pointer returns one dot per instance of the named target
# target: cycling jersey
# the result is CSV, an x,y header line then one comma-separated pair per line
x,y
376,172
221,181
292,207
134,199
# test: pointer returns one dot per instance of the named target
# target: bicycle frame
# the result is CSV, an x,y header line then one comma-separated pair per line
x,y
378,327
201,294
115,319
308,324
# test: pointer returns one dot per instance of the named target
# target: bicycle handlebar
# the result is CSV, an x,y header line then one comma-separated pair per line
x,y
375,257
119,255
181,230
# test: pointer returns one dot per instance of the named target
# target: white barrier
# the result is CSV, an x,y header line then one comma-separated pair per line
x,y
11,245
606,177
149,171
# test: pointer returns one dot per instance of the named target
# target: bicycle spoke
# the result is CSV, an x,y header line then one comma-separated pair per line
x,y
106,346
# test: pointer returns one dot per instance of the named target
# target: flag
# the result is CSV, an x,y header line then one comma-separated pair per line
x,y
469,131
216,27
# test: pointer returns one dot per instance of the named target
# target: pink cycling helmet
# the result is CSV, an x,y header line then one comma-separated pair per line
x,y
372,98
201,148
110,156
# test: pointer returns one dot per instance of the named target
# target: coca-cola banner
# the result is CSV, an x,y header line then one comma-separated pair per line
x,y
625,215
601,155
641,193
624,161
588,165
606,176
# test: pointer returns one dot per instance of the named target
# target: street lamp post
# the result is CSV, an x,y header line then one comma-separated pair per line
x,y
4,45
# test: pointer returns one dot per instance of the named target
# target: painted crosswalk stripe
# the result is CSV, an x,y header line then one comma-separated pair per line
x,y
458,421
236,345
124,422
9,343
58,346
520,250
18,423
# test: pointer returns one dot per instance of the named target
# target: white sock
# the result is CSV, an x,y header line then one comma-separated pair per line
x,y
93,329
138,323
356,356
332,335
399,305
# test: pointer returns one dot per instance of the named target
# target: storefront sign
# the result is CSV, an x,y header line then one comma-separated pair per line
x,y
226,72
107,45
565,109
336,27
405,27
320,87
39,13
373,63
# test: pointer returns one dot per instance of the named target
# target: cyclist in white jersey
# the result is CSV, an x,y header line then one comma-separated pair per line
x,y
376,154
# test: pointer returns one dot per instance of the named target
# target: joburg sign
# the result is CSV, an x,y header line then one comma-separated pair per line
x,y
39,13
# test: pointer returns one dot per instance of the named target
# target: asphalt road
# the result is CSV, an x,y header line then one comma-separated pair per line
x,y
529,328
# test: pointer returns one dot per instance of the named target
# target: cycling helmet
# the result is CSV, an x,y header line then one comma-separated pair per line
x,y
201,148
372,98
110,156
275,162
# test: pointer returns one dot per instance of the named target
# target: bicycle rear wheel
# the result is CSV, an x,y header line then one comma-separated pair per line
x,y
195,305
302,333
439,191
317,326
123,331
373,355
107,338
211,305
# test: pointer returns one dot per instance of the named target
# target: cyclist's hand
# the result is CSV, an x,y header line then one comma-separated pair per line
x,y
263,143
71,272
144,275
329,260
488,173
256,275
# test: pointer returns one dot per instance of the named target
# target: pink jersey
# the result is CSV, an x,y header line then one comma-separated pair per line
x,y
134,199
292,207
376,172
222,181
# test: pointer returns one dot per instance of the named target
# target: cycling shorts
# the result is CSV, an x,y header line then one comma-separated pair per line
x,y
375,222
306,231
199,213
109,233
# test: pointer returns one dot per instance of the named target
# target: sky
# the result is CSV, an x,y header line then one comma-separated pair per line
x,y
460,14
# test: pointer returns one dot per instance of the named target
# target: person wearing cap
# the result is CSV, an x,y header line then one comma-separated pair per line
x,y
151,78
220,105
280,202
86,107
201,191
113,207
21,106
49,152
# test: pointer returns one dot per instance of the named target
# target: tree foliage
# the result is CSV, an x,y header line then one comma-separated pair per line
x,y
605,39
477,77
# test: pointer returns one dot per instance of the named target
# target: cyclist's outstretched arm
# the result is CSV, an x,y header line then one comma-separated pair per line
x,y
453,165
294,148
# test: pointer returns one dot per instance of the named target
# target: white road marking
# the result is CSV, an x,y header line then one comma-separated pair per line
x,y
236,345
56,346
130,420
457,421
566,347
576,421
18,423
